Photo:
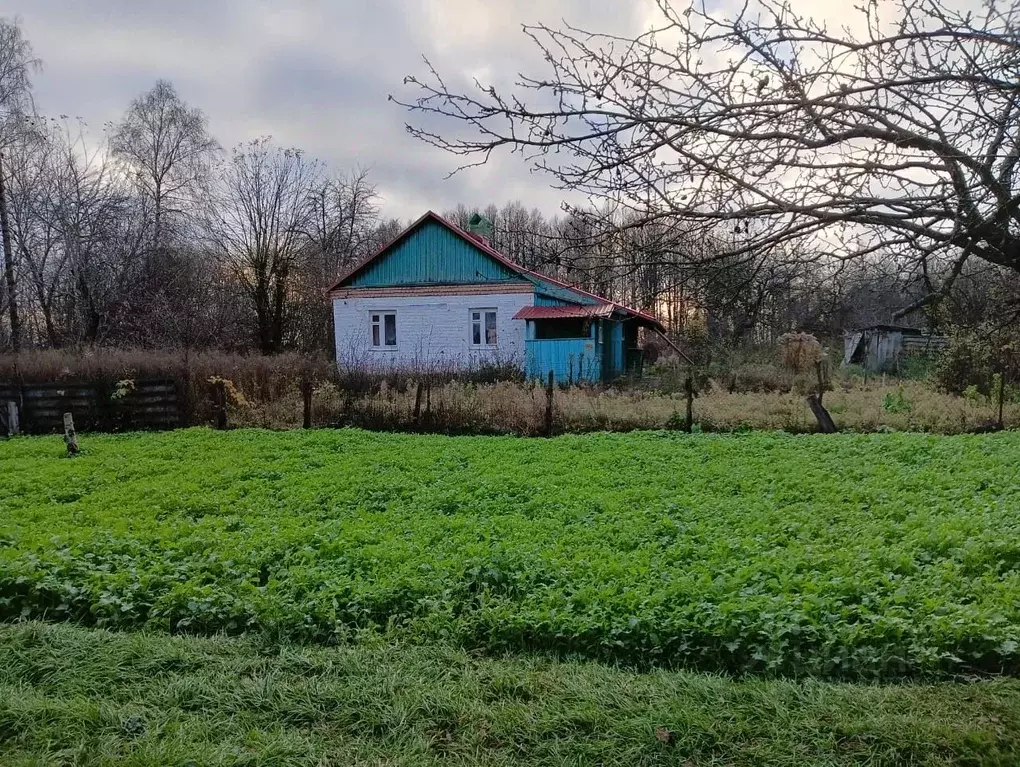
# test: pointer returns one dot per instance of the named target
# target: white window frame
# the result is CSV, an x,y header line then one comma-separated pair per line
x,y
373,323
482,311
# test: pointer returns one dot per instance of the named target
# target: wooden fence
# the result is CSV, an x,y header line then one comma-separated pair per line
x,y
141,405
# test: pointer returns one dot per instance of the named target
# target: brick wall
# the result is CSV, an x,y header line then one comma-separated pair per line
x,y
432,330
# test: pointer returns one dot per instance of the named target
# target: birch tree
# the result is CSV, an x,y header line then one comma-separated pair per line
x,y
16,67
167,146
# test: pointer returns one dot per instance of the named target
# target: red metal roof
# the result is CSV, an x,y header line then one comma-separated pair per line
x,y
564,312
490,251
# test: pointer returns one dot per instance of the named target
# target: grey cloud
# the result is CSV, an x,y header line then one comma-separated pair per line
x,y
314,74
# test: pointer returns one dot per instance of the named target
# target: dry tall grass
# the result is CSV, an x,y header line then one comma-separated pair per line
x,y
512,408
270,397
265,382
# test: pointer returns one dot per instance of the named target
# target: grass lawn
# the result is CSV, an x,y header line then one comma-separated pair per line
x,y
860,556
78,696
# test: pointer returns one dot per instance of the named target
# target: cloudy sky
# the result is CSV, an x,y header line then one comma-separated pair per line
x,y
312,73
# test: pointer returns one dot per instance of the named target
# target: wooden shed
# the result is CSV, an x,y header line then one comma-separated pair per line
x,y
881,348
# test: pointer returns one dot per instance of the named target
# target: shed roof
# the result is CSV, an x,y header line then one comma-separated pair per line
x,y
889,328
540,280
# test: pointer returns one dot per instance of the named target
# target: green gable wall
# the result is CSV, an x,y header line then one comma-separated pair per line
x,y
559,296
541,299
432,255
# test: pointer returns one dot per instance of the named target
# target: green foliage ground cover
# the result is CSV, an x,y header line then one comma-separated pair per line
x,y
87,697
847,555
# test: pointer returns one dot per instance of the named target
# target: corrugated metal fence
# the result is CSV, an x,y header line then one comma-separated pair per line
x,y
140,405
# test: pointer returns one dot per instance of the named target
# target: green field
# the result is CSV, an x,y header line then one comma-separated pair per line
x,y
861,556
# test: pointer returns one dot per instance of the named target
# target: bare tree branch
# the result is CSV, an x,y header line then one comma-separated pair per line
x,y
896,140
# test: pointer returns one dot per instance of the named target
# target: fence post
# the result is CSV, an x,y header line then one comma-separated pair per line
x,y
417,403
219,401
70,438
1002,388
13,427
183,388
689,391
549,404
306,400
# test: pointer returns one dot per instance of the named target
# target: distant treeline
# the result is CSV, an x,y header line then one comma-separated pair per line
x,y
151,235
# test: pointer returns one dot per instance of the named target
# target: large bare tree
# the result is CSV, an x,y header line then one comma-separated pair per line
x,y
32,167
344,212
102,230
167,145
16,67
340,231
895,138
258,227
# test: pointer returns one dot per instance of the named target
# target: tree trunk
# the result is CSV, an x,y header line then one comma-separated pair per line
x,y
263,320
306,401
279,310
5,232
689,392
825,422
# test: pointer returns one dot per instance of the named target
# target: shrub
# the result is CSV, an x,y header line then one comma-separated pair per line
x,y
973,357
696,343
799,351
896,402
758,378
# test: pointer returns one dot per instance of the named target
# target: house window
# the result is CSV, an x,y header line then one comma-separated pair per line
x,y
384,330
483,327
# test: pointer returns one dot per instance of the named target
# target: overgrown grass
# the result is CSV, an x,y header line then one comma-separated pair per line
x,y
266,392
843,556
89,697
459,408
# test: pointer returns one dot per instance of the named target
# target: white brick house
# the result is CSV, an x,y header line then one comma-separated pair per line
x,y
438,297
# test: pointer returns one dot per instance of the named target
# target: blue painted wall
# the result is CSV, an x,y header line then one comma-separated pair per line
x,y
432,255
573,359
615,356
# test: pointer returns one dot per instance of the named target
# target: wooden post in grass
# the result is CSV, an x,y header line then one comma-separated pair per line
x,y
417,403
219,402
11,409
549,404
825,422
428,401
689,392
306,401
1001,394
70,438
